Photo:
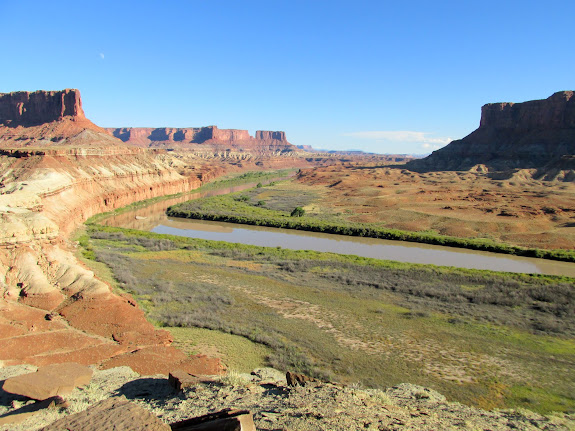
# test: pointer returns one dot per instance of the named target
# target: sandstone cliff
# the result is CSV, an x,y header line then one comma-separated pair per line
x,y
42,199
31,109
57,169
47,118
265,135
512,136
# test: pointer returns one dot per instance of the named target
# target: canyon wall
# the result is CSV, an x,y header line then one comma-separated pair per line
x,y
53,309
202,138
554,113
265,135
29,109
48,119
512,136
58,169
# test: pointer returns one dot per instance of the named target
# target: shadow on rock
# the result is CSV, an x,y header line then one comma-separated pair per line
x,y
150,387
271,389
6,398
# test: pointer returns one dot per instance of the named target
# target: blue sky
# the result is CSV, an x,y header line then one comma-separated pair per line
x,y
381,76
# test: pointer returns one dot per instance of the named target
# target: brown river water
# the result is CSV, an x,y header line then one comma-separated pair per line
x,y
153,218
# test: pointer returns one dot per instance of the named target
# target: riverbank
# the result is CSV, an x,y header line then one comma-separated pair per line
x,y
243,208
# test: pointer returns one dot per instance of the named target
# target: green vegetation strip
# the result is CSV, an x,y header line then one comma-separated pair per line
x,y
237,208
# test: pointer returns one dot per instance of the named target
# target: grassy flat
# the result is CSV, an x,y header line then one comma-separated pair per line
x,y
486,339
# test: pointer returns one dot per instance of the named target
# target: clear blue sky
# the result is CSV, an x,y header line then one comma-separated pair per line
x,y
381,76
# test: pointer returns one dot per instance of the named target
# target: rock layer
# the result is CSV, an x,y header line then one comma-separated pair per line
x,y
55,175
45,195
512,136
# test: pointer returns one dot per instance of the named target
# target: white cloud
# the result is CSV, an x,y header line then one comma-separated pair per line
x,y
102,55
428,146
425,139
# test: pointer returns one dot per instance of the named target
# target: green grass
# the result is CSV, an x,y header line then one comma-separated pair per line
x,y
353,319
237,353
539,399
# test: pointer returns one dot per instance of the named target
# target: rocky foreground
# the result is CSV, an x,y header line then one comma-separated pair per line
x,y
277,406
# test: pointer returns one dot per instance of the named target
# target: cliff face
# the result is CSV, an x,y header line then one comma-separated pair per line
x,y
209,138
30,109
512,136
57,169
46,119
43,197
554,113
265,135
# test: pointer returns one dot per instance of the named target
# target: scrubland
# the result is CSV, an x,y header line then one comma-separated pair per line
x,y
486,339
507,207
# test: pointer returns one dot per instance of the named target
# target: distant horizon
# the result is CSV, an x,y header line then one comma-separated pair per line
x,y
252,134
382,78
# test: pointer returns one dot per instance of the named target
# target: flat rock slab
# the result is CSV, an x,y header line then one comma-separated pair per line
x,y
49,381
44,343
163,359
111,414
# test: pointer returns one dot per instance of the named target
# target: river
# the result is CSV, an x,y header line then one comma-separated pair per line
x,y
153,218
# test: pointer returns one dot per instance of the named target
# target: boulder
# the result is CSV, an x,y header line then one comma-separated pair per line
x,y
180,380
296,379
49,381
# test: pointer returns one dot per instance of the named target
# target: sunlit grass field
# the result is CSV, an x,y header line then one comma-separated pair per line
x,y
482,338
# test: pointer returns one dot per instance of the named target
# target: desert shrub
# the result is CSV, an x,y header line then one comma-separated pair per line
x,y
297,212
153,244
536,306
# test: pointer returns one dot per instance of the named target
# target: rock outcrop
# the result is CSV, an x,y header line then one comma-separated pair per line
x,y
209,138
31,109
272,406
48,119
55,175
512,136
